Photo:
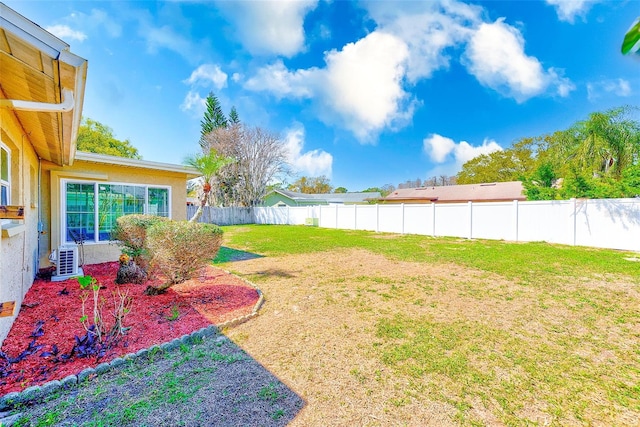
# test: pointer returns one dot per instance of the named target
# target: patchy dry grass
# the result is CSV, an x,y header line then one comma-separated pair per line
x,y
412,330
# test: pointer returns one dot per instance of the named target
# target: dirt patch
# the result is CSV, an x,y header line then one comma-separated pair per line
x,y
317,330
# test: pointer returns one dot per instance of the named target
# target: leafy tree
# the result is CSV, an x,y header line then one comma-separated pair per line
x,y
213,119
500,166
340,190
311,185
94,137
208,165
233,116
607,143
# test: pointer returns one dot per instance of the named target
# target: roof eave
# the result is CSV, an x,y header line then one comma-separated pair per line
x,y
135,163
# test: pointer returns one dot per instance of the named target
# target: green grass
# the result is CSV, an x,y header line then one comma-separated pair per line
x,y
529,262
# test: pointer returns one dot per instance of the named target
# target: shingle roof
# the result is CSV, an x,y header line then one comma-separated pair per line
x,y
495,191
332,197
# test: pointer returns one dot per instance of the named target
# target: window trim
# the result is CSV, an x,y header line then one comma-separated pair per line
x,y
96,212
6,183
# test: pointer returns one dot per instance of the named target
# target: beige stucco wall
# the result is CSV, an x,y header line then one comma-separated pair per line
x,y
18,244
96,172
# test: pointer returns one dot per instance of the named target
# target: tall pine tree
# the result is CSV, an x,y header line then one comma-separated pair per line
x,y
233,117
213,119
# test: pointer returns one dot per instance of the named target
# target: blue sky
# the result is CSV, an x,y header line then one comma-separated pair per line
x,y
367,93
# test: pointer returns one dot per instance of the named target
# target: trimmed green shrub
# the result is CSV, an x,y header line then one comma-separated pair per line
x,y
131,234
180,249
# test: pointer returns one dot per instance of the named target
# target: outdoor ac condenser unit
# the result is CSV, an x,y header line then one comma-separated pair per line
x,y
66,263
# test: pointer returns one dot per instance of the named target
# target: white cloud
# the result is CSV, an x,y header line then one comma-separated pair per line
x,y
441,149
495,56
207,74
282,83
428,29
364,83
360,88
236,77
619,87
269,26
193,102
64,32
311,163
567,10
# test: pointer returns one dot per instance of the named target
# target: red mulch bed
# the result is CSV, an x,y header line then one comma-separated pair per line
x,y
49,319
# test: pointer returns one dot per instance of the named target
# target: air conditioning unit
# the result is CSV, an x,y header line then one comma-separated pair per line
x,y
66,261
311,221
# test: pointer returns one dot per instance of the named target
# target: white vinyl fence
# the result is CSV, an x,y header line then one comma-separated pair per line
x,y
604,223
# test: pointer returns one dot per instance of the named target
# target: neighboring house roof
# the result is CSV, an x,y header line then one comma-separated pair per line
x,y
329,198
189,171
487,192
43,83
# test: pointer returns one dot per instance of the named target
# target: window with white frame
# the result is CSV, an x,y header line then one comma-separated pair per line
x,y
90,209
5,175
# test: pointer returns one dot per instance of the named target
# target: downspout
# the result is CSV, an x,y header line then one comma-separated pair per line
x,y
67,104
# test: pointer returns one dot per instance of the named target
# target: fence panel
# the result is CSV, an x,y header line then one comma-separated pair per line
x,y
453,220
223,216
367,217
608,223
549,221
496,221
418,219
346,216
390,218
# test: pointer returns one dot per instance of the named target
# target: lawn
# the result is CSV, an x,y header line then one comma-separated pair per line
x,y
384,330
377,329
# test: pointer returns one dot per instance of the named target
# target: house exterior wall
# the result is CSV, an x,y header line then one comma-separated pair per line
x,y
108,173
19,239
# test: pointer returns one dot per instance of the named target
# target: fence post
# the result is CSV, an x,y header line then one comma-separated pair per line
x,y
355,217
574,228
433,219
336,216
319,216
515,219
377,218
470,219
288,215
402,227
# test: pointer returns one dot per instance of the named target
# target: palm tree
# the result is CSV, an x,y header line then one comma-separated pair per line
x,y
208,164
608,142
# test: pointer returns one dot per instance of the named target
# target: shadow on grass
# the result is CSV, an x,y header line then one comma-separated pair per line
x,y
226,254
205,381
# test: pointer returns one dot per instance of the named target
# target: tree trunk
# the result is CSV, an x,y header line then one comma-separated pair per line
x,y
203,202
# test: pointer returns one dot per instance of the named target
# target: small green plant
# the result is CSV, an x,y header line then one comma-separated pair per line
x,y
175,313
277,414
269,393
90,283
122,304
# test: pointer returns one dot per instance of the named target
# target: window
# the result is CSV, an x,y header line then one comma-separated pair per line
x,y
5,174
91,209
